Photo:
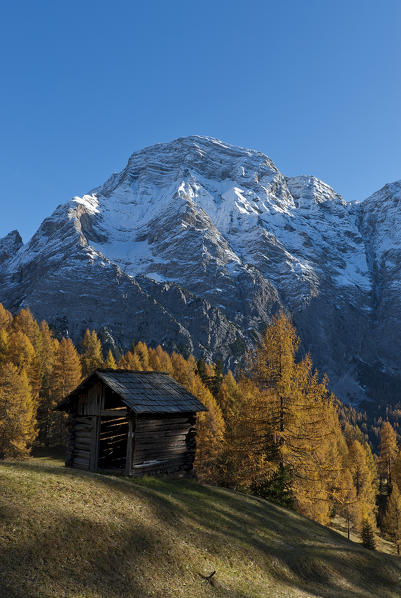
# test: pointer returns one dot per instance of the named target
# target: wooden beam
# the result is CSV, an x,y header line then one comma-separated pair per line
x,y
112,413
128,458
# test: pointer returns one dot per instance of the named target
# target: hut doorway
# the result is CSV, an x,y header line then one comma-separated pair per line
x,y
113,439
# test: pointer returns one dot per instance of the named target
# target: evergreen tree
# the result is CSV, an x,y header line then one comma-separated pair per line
x,y
391,524
201,371
17,412
367,535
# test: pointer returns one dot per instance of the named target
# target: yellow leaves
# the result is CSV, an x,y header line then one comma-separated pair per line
x,y
110,361
67,372
92,357
130,361
361,467
388,449
5,318
141,351
396,470
17,412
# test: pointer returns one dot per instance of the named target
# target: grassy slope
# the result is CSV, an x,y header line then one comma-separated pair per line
x,y
75,534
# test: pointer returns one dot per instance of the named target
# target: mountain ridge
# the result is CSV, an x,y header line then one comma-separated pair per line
x,y
197,244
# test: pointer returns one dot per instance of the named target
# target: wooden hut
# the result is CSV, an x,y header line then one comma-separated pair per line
x,y
131,422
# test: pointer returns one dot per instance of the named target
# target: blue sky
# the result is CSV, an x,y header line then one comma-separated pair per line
x,y
315,84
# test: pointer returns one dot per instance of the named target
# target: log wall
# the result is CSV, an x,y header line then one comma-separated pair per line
x,y
163,444
82,442
104,434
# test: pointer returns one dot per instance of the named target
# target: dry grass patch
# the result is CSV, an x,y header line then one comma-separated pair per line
x,y
65,533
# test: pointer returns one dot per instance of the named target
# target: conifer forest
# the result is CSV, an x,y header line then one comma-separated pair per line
x,y
272,428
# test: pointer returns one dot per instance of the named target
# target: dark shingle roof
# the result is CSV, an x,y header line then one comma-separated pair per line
x,y
143,392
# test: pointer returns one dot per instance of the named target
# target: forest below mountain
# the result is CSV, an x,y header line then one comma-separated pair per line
x,y
273,430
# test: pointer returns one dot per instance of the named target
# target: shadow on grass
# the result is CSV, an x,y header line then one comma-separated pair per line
x,y
292,550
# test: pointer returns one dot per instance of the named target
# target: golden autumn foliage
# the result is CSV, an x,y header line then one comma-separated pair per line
x,y
273,431
364,477
346,500
396,470
110,362
292,436
17,412
388,451
92,356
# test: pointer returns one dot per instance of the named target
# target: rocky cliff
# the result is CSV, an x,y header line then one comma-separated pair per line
x,y
196,244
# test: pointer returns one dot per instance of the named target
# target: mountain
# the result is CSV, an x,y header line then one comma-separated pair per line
x,y
197,243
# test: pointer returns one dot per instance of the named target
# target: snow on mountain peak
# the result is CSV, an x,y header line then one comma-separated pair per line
x,y
200,242
9,245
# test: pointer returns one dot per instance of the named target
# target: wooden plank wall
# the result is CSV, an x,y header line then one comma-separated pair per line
x,y
91,403
164,444
82,442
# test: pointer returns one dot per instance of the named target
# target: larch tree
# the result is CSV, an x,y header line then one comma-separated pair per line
x,y
92,355
346,500
388,453
164,359
248,462
301,422
396,470
67,374
110,361
154,360
229,396
364,481
141,351
130,361
210,433
17,412
5,318
183,371
4,345
47,355
26,323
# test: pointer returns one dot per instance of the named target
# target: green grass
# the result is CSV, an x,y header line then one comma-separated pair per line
x,y
65,533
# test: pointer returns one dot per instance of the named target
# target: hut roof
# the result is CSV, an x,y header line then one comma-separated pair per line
x,y
143,392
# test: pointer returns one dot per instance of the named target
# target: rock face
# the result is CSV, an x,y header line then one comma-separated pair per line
x,y
196,244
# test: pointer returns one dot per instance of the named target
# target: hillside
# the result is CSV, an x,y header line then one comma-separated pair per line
x,y
65,533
